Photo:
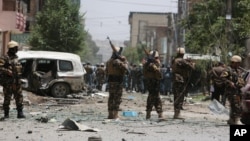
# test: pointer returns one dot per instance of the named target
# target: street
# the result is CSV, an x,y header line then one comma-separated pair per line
x,y
199,124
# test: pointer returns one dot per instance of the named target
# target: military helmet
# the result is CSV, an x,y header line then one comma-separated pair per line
x,y
236,58
180,50
156,53
12,44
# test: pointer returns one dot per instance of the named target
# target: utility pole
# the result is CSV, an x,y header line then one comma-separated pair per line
x,y
228,25
181,15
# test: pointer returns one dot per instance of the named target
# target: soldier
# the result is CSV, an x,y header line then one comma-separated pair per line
x,y
217,82
116,68
100,76
89,75
152,74
181,69
234,81
10,69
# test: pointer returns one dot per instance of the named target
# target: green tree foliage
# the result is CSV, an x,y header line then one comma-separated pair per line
x,y
89,54
207,28
59,28
134,55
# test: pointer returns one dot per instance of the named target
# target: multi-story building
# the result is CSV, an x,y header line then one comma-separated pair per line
x,y
155,30
13,20
17,17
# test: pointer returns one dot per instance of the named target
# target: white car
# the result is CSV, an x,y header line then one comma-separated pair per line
x,y
52,73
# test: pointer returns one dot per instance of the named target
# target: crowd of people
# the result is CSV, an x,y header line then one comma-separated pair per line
x,y
156,79
152,77
133,81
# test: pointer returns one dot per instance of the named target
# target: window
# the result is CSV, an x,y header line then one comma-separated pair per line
x,y
26,67
65,65
9,5
44,65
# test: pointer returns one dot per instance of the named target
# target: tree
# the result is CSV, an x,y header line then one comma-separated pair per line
x,y
89,54
59,28
207,28
134,55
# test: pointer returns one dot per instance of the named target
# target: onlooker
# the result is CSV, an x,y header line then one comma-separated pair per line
x,y
168,81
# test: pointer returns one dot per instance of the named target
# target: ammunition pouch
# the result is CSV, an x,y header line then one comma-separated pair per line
x,y
240,83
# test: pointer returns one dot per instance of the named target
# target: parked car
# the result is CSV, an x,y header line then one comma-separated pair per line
x,y
52,73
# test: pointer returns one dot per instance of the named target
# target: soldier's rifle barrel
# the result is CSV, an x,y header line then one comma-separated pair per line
x,y
111,44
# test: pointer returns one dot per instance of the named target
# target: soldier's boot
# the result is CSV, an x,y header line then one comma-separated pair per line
x,y
177,114
6,113
230,121
234,121
148,115
111,115
160,115
115,115
20,114
237,121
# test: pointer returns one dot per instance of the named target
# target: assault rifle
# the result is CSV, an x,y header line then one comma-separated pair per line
x,y
15,74
116,54
150,58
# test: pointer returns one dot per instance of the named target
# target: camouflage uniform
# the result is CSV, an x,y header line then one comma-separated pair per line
x,y
116,69
181,69
10,70
152,74
234,81
100,76
89,75
217,82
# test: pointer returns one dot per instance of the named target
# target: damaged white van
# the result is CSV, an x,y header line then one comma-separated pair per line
x,y
52,73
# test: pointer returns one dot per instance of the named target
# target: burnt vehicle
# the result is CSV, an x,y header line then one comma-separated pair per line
x,y
51,73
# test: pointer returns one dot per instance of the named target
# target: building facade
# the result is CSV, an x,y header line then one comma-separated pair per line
x,y
155,30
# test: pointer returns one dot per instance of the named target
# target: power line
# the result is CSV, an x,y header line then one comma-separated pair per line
x,y
133,3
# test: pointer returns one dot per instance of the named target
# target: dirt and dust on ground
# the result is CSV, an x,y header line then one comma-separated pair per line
x,y
87,117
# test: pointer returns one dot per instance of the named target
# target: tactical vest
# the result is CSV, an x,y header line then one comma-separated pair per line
x,y
152,72
115,69
10,64
181,67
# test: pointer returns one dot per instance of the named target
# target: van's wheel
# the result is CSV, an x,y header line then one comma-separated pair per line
x,y
60,90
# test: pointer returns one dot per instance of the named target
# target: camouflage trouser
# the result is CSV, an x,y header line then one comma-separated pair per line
x,y
154,99
234,99
99,84
115,94
179,92
16,90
